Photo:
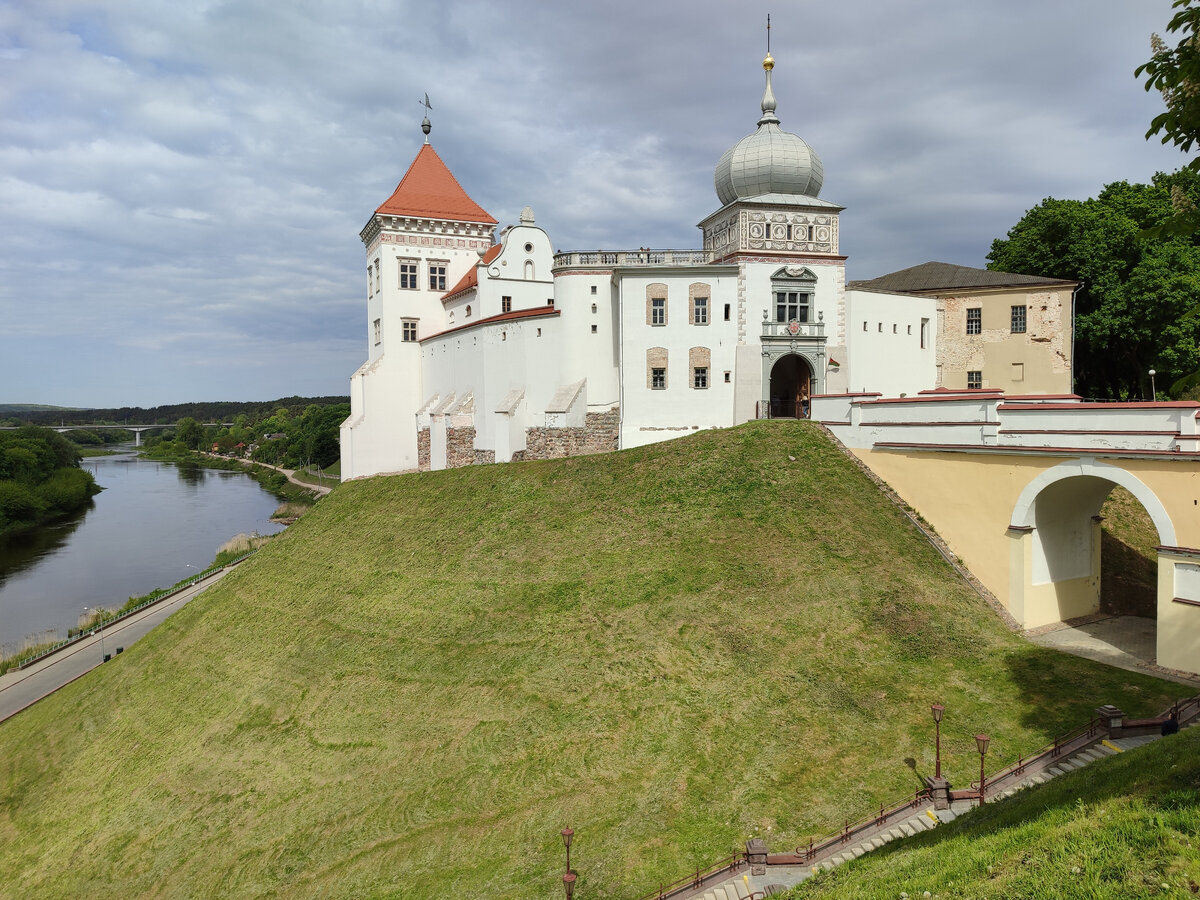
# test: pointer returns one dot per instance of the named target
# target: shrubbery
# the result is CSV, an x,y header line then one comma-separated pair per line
x,y
39,477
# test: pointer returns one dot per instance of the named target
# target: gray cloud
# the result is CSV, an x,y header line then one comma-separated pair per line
x,y
182,184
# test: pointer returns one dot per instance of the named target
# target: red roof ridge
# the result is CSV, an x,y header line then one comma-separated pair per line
x,y
430,190
471,278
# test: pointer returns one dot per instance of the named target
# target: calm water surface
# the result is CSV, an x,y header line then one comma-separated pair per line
x,y
154,524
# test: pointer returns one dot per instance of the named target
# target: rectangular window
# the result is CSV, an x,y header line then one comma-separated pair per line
x,y
893,328
595,329
658,310
1018,371
370,283
727,377
791,306
550,301
658,379
1018,320
924,333
700,377
974,381
437,276
505,304
378,326
975,320
409,330
726,312
700,311
593,289
408,275
378,280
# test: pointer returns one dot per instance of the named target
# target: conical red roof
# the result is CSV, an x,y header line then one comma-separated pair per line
x,y
430,191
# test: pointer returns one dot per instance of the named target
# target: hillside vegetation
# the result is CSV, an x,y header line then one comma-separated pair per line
x,y
40,478
1119,829
415,687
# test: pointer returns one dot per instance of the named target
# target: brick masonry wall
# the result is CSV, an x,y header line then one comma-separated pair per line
x,y
598,435
423,449
460,447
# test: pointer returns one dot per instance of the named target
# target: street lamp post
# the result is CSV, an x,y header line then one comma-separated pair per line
x,y
99,612
569,884
937,709
981,742
1153,392
567,834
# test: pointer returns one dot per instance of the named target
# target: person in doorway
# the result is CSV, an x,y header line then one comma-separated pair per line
x,y
1171,726
804,402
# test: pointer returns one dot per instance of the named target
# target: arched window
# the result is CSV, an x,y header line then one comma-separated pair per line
x,y
529,276
468,311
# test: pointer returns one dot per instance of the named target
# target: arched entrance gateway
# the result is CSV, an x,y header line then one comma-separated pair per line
x,y
791,387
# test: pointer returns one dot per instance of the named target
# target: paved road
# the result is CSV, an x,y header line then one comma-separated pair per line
x,y
19,689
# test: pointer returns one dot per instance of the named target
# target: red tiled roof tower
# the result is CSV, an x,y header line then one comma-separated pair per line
x,y
430,191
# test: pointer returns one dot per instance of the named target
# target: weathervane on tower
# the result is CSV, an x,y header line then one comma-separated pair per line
x,y
425,126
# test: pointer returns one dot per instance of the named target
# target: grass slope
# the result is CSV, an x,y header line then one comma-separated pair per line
x,y
1119,829
416,686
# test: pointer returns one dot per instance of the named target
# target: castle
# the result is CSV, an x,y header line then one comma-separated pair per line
x,y
483,350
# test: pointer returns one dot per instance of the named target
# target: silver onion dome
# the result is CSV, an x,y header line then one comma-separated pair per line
x,y
769,161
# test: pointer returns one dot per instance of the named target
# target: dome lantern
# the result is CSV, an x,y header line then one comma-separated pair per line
x,y
769,161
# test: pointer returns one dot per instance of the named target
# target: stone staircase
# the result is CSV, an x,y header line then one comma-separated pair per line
x,y
781,877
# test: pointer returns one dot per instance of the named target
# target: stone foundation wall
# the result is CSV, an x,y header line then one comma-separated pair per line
x,y
485,457
460,447
423,449
598,435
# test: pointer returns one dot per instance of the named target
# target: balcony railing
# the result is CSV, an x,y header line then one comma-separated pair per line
x,y
793,329
609,258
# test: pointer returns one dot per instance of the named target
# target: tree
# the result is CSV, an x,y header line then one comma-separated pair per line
x,y
189,433
1135,309
1175,73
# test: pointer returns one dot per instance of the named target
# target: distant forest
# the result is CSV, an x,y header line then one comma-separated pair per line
x,y
216,411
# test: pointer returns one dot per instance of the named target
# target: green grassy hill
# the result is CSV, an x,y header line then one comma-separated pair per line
x,y
413,689
1119,829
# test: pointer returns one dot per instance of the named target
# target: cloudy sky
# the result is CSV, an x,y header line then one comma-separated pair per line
x,y
182,183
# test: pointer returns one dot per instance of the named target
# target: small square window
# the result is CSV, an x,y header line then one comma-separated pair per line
x,y
974,381
864,326
409,330
593,309
505,304
658,379
881,328
658,310
595,329
593,289
894,328
1018,320
700,377
975,320
550,301
910,329
728,377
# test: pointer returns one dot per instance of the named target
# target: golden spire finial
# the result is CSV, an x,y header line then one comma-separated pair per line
x,y
769,62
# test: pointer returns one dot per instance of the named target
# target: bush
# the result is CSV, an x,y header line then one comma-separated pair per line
x,y
67,489
19,504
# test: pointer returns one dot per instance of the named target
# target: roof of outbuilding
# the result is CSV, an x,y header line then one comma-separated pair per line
x,y
935,277
470,278
429,190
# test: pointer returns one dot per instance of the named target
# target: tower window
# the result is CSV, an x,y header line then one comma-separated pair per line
x,y
791,306
408,330
408,275
437,276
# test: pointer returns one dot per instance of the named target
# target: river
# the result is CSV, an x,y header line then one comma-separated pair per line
x,y
154,524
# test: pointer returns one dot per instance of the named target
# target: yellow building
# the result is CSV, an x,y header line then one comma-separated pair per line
x,y
995,330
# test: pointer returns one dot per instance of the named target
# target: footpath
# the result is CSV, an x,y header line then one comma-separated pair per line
x,y
21,688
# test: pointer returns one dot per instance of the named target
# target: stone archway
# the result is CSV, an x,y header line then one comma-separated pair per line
x,y
1055,562
791,387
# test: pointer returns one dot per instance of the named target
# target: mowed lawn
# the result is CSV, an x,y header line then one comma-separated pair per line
x,y
413,689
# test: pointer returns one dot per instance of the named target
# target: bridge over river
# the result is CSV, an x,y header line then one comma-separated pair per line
x,y
136,429
1014,485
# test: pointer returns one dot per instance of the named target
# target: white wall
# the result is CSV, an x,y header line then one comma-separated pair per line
x,y
886,354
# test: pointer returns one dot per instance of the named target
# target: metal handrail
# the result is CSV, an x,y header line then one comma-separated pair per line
x,y
696,880
151,599
849,829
